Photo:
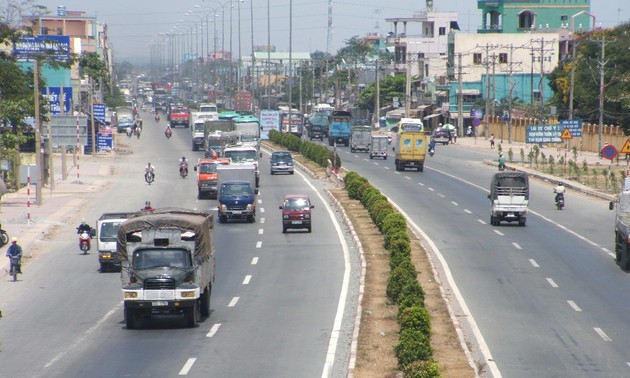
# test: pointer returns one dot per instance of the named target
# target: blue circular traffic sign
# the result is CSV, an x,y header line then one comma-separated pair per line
x,y
609,152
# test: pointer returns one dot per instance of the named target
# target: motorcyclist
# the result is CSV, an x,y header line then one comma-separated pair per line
x,y
432,146
157,117
168,131
149,169
501,161
183,164
129,131
559,190
147,207
84,227
15,250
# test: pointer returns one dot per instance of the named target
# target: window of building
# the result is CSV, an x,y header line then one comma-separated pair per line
x,y
564,17
503,58
442,30
477,58
526,19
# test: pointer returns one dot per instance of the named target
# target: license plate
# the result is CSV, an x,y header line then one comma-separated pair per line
x,y
159,303
412,163
510,214
237,212
296,222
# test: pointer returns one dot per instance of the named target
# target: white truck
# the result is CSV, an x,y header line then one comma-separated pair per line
x,y
206,112
622,226
244,155
509,197
168,265
236,192
378,146
106,232
360,138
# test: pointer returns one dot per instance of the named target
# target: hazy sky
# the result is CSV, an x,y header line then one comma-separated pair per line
x,y
135,24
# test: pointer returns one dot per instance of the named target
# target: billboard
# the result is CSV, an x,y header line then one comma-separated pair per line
x,y
269,120
52,46
53,95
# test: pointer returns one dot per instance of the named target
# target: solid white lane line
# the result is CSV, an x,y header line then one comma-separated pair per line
x,y
498,232
516,245
602,334
552,282
213,330
233,302
187,366
262,220
467,211
534,263
247,279
258,244
574,306
255,261
260,231
481,221
454,203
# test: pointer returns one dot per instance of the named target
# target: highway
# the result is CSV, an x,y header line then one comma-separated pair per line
x,y
545,300
278,303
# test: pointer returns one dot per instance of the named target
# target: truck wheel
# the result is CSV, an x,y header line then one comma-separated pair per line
x,y
284,230
522,221
251,218
421,167
190,315
130,318
205,301
104,267
624,262
309,229
617,249
222,218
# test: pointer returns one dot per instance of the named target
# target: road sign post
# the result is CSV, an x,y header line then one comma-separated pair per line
x,y
626,150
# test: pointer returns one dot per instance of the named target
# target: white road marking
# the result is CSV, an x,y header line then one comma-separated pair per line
x,y
213,330
454,203
534,263
262,209
481,221
498,232
602,334
375,163
262,220
386,167
187,366
552,282
258,244
421,184
574,306
431,189
233,302
247,279
408,178
363,159
441,195
254,260
259,200
260,231
467,211
397,173
347,152
516,245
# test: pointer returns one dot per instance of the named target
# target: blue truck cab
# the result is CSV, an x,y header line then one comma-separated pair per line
x,y
339,127
237,200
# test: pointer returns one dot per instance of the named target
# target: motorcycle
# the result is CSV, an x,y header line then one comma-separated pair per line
x,y
4,237
138,131
431,151
15,266
149,177
389,139
84,241
560,201
157,117
168,133
183,170
129,132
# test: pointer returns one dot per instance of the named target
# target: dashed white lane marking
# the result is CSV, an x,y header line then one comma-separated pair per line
x,y
375,163
233,302
441,195
481,221
552,282
421,184
260,231
431,189
213,330
574,306
259,200
498,232
187,366
467,211
516,245
408,178
347,152
262,220
397,173
262,209
602,334
247,279
386,167
254,260
534,263
258,244
454,203
363,159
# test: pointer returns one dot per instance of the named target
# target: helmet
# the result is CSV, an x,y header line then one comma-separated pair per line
x,y
82,220
147,203
560,183
14,239
500,153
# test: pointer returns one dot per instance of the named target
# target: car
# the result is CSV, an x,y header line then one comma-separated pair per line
x,y
281,161
440,135
296,212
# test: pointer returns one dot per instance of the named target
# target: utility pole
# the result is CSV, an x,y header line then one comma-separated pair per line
x,y
602,71
408,89
460,97
38,137
543,51
511,70
377,107
486,64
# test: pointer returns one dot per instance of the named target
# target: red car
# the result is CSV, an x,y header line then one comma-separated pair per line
x,y
296,212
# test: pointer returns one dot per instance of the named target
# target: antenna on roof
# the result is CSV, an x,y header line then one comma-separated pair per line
x,y
429,4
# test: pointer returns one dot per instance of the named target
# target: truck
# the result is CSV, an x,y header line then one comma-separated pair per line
x,y
244,155
378,146
509,197
124,119
411,145
106,232
622,226
168,265
339,127
198,134
179,116
292,122
237,192
360,138
248,128
207,178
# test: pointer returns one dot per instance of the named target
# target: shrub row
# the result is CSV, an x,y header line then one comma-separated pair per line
x,y
413,349
312,151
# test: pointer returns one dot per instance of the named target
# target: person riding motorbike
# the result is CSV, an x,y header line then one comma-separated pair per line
x,y
147,207
15,250
84,227
183,165
431,147
168,132
129,131
149,169
559,190
501,161
157,117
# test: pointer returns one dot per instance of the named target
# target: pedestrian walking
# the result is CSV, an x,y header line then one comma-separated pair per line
x,y
450,136
491,141
454,136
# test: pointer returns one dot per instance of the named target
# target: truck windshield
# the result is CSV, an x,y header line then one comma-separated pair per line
x,y
108,231
208,168
199,127
236,190
150,258
242,155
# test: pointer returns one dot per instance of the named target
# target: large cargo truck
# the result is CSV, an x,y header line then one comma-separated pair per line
x,y
411,145
168,265
360,138
339,127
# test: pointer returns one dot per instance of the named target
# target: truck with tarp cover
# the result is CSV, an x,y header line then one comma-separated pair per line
x,y
168,264
509,197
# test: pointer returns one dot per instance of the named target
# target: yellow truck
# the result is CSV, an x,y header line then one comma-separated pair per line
x,y
411,144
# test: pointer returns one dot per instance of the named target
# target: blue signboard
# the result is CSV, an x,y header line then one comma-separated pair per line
x,y
574,126
104,141
543,133
53,94
99,112
52,46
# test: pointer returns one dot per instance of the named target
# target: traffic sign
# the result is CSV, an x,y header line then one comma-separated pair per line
x,y
609,152
566,134
626,147
476,122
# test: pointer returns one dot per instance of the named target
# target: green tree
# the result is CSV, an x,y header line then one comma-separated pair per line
x,y
390,87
